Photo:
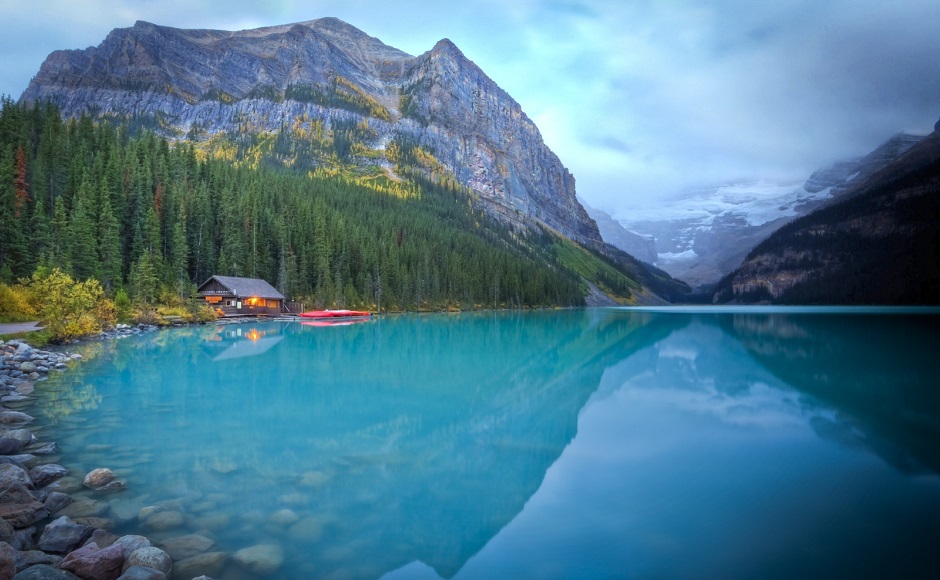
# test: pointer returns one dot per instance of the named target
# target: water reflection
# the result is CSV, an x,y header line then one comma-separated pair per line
x,y
605,442
880,374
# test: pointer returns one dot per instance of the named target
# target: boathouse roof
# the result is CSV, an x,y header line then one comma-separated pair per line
x,y
244,287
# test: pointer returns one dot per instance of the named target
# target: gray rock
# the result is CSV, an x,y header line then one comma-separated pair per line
x,y
11,475
142,573
131,543
14,418
7,560
63,535
44,449
90,561
27,558
85,508
98,477
43,475
24,539
57,501
23,435
6,531
152,558
103,538
20,508
163,521
209,564
263,559
182,547
10,446
44,572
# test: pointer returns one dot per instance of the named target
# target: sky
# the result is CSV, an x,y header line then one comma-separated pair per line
x,y
641,100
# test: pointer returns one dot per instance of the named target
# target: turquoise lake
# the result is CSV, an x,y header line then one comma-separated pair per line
x,y
768,443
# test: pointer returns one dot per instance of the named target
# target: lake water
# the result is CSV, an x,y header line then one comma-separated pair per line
x,y
578,443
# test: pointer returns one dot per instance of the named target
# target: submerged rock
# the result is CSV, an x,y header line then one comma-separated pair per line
x,y
163,521
209,564
182,547
264,559
97,478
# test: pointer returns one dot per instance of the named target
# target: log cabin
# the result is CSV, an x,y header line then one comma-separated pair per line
x,y
232,296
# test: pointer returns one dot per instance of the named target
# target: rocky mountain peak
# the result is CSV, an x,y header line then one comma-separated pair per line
x,y
219,81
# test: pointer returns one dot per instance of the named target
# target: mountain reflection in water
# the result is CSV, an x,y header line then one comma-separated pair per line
x,y
542,444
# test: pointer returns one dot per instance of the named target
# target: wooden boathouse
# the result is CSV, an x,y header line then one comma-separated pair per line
x,y
232,296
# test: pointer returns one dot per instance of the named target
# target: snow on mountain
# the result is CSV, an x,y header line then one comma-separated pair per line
x,y
707,233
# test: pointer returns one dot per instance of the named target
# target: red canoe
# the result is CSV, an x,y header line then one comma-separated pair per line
x,y
330,314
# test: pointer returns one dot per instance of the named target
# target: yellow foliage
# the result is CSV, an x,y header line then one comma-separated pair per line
x,y
70,309
15,303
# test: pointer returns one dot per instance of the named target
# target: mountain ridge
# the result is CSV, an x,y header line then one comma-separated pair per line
x,y
222,81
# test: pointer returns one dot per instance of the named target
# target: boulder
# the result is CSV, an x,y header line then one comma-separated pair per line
x,y
19,508
263,559
10,446
24,539
95,563
85,508
151,558
43,475
103,538
24,435
284,518
11,475
28,367
56,501
14,418
63,535
98,477
182,547
29,558
162,521
208,564
7,560
44,572
131,543
142,573
6,531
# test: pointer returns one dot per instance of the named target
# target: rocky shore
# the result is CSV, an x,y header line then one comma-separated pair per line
x,y
43,536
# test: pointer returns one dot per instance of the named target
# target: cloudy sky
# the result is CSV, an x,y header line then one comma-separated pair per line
x,y
640,99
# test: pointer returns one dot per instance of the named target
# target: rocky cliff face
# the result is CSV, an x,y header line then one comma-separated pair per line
x,y
879,244
268,78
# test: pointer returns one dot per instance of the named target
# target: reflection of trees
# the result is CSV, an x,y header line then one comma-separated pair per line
x,y
880,372
414,437
63,402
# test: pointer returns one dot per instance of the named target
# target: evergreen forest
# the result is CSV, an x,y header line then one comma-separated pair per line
x,y
149,218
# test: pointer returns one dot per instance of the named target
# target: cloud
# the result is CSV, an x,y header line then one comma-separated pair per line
x,y
640,99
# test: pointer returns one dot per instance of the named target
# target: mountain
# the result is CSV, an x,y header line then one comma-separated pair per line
x,y
878,244
325,75
707,233
641,247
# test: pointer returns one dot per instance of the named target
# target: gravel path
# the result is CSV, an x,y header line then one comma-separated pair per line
x,y
14,327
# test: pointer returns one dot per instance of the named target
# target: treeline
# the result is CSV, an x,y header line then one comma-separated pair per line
x,y
139,215
881,246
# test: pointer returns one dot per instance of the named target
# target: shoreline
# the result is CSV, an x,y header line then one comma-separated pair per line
x,y
37,541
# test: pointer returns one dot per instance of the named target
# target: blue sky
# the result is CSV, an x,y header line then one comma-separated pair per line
x,y
640,99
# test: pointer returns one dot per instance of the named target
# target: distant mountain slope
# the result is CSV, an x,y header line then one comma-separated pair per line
x,y
321,76
641,247
879,245
707,233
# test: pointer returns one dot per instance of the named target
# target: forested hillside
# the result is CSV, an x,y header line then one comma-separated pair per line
x,y
137,213
879,245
